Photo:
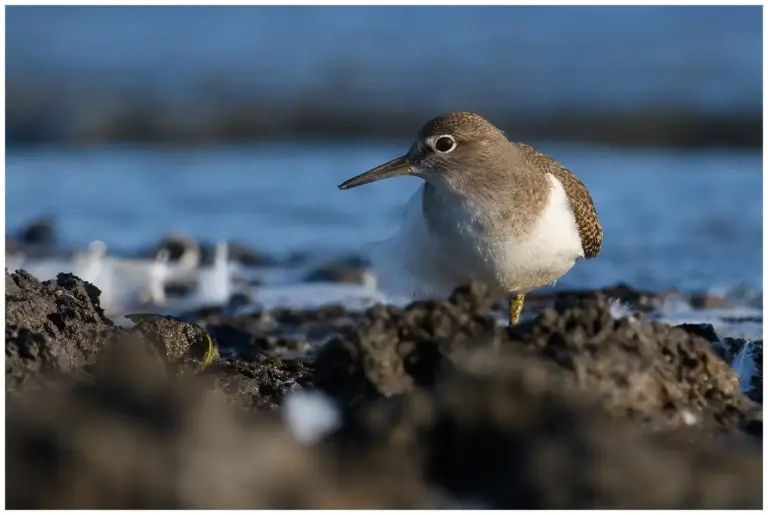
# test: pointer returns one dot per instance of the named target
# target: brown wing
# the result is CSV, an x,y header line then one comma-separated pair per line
x,y
590,231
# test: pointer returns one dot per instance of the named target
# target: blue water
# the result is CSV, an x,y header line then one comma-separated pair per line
x,y
437,58
685,219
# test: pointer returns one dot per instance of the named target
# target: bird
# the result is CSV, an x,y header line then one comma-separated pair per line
x,y
489,210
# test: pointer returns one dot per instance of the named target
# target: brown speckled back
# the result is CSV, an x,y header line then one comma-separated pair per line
x,y
590,231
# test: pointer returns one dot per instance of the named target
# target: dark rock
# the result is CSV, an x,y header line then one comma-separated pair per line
x,y
236,339
440,407
176,245
519,441
214,313
295,316
706,331
54,325
636,299
250,346
640,368
239,300
58,326
284,332
39,232
247,256
297,258
134,437
175,339
648,371
237,252
179,245
26,352
708,301
336,275
347,270
262,382
178,288
392,349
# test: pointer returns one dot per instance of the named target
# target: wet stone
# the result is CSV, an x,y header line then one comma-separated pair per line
x,y
176,339
51,325
706,331
645,369
347,270
238,252
708,301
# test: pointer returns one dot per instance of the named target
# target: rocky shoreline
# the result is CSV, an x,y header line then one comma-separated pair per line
x,y
435,406
35,121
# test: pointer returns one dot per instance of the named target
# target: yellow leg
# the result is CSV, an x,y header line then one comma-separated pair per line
x,y
515,308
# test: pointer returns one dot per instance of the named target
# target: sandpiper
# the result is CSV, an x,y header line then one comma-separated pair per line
x,y
490,210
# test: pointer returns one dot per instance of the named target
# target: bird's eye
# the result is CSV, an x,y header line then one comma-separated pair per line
x,y
445,144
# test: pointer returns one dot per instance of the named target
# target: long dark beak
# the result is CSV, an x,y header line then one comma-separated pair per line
x,y
399,166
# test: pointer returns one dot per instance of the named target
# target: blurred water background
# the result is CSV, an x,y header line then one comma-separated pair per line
x,y
237,123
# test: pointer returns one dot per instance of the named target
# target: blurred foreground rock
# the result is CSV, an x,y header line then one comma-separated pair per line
x,y
440,408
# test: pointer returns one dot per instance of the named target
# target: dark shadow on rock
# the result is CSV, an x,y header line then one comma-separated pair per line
x,y
520,441
135,437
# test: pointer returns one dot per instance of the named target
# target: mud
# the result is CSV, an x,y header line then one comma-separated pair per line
x,y
440,408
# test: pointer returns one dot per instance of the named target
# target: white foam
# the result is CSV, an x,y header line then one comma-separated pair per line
x,y
158,276
737,321
316,295
310,416
744,365
620,310
130,284
689,418
214,283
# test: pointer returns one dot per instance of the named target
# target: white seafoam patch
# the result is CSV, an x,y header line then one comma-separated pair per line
x,y
745,366
310,415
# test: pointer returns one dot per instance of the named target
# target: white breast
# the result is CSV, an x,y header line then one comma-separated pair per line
x,y
550,250
417,264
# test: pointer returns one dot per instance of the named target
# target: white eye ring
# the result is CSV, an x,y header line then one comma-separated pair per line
x,y
439,144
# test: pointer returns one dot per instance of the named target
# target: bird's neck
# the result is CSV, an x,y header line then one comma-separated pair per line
x,y
509,199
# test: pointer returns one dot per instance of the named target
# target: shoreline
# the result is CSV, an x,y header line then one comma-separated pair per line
x,y
392,393
159,123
